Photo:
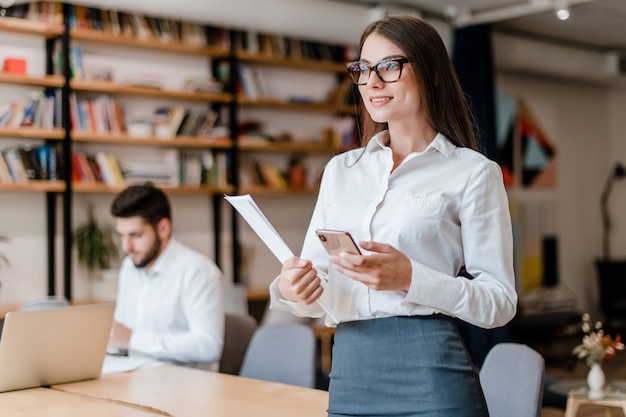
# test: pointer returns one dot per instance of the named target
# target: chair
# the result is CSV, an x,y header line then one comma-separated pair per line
x,y
238,330
235,299
45,303
283,353
512,381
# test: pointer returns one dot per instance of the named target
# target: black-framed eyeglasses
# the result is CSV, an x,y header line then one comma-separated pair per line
x,y
388,70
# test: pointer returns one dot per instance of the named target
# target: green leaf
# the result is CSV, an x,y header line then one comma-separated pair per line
x,y
95,243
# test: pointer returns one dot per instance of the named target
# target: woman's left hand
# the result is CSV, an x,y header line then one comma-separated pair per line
x,y
385,269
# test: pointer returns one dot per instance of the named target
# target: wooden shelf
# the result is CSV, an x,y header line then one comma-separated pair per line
x,y
296,106
113,88
251,145
258,294
260,190
29,27
100,188
35,185
303,64
43,81
153,44
177,142
32,133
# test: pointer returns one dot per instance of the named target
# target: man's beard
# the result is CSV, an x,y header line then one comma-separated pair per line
x,y
151,255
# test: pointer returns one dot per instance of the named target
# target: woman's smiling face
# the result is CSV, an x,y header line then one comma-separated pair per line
x,y
392,101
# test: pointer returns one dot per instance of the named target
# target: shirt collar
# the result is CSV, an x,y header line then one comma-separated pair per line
x,y
165,259
440,143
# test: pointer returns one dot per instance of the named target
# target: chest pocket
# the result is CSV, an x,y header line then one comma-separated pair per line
x,y
418,217
345,216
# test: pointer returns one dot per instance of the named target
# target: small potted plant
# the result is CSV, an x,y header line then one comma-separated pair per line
x,y
95,245
596,347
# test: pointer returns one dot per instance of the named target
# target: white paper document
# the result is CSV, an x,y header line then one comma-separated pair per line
x,y
253,215
117,364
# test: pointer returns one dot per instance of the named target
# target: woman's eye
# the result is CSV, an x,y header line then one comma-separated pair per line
x,y
388,66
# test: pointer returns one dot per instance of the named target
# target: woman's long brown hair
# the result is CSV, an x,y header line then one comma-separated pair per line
x,y
446,108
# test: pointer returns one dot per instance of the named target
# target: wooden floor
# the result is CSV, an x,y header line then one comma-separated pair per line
x,y
613,369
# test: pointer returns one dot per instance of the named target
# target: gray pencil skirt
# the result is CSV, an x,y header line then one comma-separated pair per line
x,y
403,366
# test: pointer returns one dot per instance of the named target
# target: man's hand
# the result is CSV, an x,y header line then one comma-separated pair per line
x,y
119,336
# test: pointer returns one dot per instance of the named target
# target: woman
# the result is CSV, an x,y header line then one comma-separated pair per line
x,y
424,205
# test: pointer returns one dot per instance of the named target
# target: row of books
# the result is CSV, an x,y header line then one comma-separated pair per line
x,y
100,115
170,169
38,110
39,11
77,69
136,25
254,172
251,82
118,23
279,46
170,122
105,115
24,163
100,167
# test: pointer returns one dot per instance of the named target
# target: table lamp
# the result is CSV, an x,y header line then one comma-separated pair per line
x,y
617,172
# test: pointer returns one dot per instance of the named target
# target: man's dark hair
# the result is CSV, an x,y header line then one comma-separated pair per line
x,y
146,201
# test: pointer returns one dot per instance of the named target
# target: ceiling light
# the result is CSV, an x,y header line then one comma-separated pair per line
x,y
562,13
514,11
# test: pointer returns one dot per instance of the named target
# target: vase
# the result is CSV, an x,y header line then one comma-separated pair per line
x,y
595,380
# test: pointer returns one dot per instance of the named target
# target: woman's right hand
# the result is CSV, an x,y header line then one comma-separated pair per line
x,y
299,281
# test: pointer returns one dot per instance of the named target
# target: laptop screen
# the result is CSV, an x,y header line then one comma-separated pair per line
x,y
55,346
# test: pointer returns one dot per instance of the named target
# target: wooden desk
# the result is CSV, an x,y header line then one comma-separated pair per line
x,y
43,402
185,392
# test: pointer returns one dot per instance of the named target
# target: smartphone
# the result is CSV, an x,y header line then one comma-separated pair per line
x,y
336,241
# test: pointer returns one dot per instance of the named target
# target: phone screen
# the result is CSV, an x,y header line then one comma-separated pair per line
x,y
336,241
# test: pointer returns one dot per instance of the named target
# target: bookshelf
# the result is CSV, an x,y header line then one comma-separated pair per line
x,y
97,32
19,134
294,90
149,53
315,74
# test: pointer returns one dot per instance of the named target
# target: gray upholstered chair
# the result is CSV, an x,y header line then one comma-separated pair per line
x,y
235,298
283,353
238,330
512,380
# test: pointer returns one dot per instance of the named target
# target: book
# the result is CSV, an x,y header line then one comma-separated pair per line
x,y
111,173
43,156
5,175
30,160
272,177
16,168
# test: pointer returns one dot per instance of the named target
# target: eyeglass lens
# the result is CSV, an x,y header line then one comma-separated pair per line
x,y
388,70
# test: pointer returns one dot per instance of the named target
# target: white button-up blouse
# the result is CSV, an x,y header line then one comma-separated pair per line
x,y
445,207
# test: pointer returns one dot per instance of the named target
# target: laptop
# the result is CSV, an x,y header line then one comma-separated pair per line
x,y
54,346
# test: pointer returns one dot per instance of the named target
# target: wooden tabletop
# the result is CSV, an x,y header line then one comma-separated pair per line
x,y
43,402
185,392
